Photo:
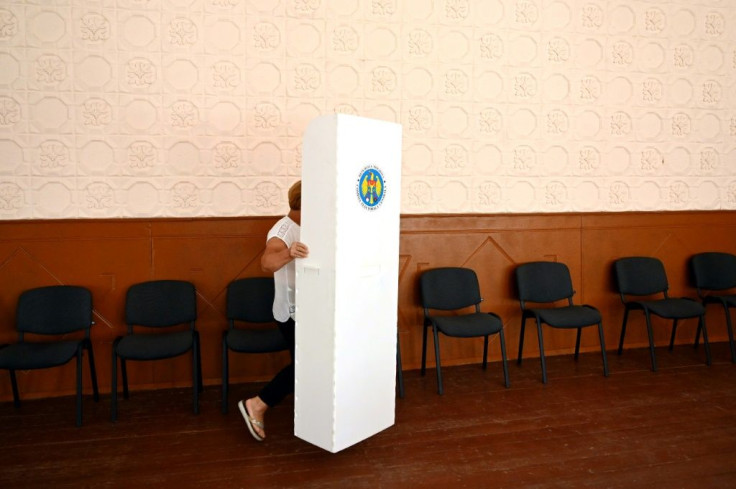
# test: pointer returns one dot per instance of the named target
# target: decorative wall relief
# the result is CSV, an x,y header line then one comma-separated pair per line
x,y
194,109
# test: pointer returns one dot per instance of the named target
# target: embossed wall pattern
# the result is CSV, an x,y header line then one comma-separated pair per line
x,y
187,108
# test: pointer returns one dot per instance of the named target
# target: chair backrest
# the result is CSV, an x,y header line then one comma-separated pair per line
x,y
543,281
449,288
640,275
56,309
251,300
714,270
160,303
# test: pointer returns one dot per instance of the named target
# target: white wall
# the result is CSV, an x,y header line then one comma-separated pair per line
x,y
197,107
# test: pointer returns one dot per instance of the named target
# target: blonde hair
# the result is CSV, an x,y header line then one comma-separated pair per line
x,y
295,196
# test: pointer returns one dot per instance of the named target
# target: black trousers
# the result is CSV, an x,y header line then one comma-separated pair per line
x,y
283,383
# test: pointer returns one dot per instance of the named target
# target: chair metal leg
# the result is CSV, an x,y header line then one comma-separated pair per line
x,y
124,374
577,344
200,384
485,352
651,341
195,373
541,352
440,388
674,331
14,384
79,385
225,376
701,324
503,359
93,371
603,349
424,351
114,385
623,332
730,333
399,368
521,340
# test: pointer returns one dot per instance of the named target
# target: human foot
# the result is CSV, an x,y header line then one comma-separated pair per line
x,y
253,419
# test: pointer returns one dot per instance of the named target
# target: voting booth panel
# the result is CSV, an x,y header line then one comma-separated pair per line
x,y
347,289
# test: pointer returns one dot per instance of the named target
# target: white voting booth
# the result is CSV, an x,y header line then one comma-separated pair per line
x,y
347,289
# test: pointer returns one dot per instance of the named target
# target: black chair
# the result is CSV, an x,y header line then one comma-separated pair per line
x,y
57,310
645,277
249,300
454,289
545,282
158,304
714,273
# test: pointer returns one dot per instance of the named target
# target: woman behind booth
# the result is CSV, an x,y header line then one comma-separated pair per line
x,y
282,248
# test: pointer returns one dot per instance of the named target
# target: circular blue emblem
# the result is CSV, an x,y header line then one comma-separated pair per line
x,y
371,187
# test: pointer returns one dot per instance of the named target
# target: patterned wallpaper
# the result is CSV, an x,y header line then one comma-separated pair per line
x,y
145,108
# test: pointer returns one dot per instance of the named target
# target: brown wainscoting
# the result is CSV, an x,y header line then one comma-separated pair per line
x,y
108,256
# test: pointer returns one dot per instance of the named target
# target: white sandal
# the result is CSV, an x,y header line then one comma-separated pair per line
x,y
250,421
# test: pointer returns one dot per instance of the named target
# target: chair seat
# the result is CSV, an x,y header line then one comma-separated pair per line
x,y
674,308
468,325
154,346
255,340
29,356
568,317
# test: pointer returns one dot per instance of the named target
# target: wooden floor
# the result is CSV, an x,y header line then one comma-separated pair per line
x,y
675,428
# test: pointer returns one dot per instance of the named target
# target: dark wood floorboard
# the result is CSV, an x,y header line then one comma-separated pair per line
x,y
675,428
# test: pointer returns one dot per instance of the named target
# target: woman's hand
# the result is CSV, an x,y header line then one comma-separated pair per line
x,y
298,250
277,254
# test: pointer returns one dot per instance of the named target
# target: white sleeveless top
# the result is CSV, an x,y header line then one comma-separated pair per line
x,y
285,277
